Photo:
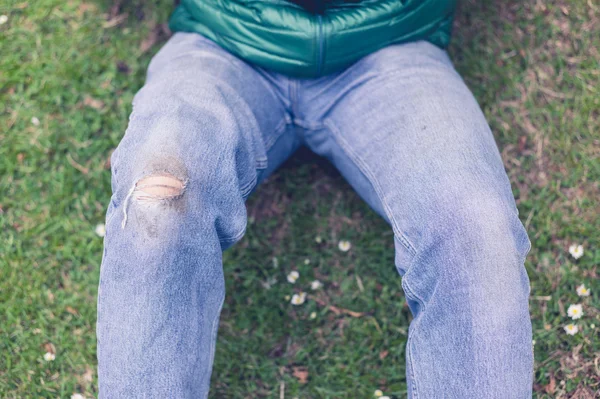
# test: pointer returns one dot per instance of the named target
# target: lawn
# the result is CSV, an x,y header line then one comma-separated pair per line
x,y
68,72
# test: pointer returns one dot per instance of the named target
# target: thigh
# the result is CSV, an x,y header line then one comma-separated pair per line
x,y
409,136
203,110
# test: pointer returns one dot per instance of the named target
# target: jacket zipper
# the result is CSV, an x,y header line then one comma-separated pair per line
x,y
321,40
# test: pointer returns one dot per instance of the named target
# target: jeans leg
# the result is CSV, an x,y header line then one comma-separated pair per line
x,y
405,131
204,129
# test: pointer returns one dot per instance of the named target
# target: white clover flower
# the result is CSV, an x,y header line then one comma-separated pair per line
x,y
287,297
3,19
315,285
384,397
77,396
533,342
583,291
344,246
100,230
592,326
318,239
575,311
576,251
298,299
49,356
378,393
293,276
307,261
313,315
35,121
571,329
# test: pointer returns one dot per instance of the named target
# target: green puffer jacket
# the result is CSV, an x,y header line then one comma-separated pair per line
x,y
282,36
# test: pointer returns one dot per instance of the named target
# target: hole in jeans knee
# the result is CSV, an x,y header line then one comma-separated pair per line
x,y
158,187
155,189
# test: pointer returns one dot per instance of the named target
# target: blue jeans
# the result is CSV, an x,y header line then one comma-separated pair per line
x,y
402,128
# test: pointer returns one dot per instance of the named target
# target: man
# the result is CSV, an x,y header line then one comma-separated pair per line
x,y
366,84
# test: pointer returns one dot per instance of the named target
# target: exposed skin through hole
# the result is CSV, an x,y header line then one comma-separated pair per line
x,y
155,188
159,187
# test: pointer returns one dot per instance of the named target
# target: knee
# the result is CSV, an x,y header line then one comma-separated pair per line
x,y
153,195
162,196
483,222
150,188
159,187
484,245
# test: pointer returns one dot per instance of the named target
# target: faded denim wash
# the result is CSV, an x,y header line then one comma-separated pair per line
x,y
406,133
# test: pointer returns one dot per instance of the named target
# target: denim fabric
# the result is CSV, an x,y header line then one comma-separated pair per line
x,y
402,128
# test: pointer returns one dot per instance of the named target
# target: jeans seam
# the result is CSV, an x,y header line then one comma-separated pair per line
x,y
374,182
412,295
213,337
277,132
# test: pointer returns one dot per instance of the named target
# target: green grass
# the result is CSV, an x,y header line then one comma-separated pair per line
x,y
534,67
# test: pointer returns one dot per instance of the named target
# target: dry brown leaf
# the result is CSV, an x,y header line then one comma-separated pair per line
x,y
77,165
551,387
157,32
301,373
88,376
352,313
111,23
93,103
115,9
107,162
71,310
85,7
149,41
49,347
338,310
522,143
383,354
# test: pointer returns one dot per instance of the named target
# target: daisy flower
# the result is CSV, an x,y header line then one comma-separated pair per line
x,y
298,299
307,261
293,276
3,19
575,311
378,393
49,356
583,291
315,285
313,315
344,246
576,251
100,230
318,239
571,329
269,282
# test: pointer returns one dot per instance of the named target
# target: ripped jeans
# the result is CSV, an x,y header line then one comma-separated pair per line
x,y
406,133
